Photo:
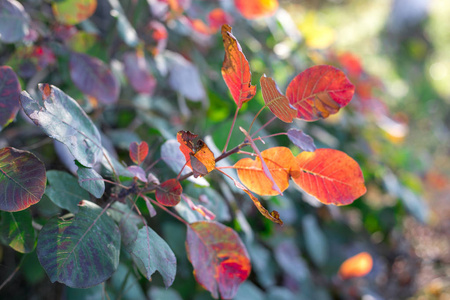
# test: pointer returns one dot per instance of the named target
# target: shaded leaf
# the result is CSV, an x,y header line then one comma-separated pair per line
x,y
72,12
198,156
65,191
356,266
22,179
93,77
277,102
123,284
331,176
128,222
151,253
138,172
9,95
91,181
315,240
14,21
124,28
301,140
157,293
253,9
291,262
16,231
169,192
319,92
220,260
63,119
137,72
236,69
138,152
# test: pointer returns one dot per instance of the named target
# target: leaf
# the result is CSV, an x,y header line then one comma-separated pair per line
x,y
315,241
14,21
289,259
124,28
319,92
138,152
356,266
198,156
151,253
16,230
91,181
218,17
169,192
22,179
236,70
128,222
72,12
136,70
65,191
138,173
331,176
221,262
93,77
81,252
276,101
301,140
63,119
9,95
253,9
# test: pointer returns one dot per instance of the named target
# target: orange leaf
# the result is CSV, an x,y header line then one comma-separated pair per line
x,y
252,9
236,70
281,164
217,17
331,176
169,192
198,156
356,266
221,262
138,152
276,101
319,92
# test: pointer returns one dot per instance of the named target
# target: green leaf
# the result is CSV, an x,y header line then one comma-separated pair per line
x,y
80,252
316,243
65,191
9,95
128,222
91,181
151,253
64,120
72,12
22,179
14,21
16,230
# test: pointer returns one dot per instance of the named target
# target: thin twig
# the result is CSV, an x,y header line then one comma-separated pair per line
x,y
256,116
262,127
231,130
165,209
14,272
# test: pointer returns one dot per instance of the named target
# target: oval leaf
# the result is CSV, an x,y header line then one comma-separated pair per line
x,y
22,179
64,120
276,101
81,252
319,92
138,152
14,21
71,12
9,95
301,140
221,262
236,70
281,163
253,9
137,72
331,176
356,266
91,181
16,230
93,77
169,192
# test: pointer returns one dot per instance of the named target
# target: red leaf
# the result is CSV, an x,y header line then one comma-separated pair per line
x,y
252,9
9,96
352,63
331,176
169,192
221,262
137,72
356,266
198,156
138,152
236,70
218,17
276,101
319,92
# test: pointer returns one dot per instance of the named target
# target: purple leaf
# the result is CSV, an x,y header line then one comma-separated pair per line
x,y
138,172
14,21
301,140
9,95
136,70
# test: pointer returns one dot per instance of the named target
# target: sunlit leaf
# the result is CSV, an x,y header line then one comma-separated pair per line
x,y
9,95
280,162
14,21
64,190
276,101
236,69
220,260
16,230
93,77
356,266
80,252
252,9
22,179
218,17
91,181
151,253
351,63
137,72
72,12
169,192
319,92
301,140
138,152
331,176
199,157
64,120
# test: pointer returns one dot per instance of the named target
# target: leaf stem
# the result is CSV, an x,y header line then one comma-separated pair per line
x,y
256,116
262,127
231,130
14,272
268,136
165,209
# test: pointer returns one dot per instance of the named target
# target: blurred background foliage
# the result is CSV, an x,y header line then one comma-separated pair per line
x,y
396,127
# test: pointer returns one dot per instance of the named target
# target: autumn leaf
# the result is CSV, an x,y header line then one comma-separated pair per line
x,y
356,266
72,12
276,101
198,156
236,69
319,92
331,176
169,192
138,152
9,95
218,17
221,262
253,9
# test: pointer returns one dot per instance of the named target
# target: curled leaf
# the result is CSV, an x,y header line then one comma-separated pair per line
x,y
198,156
276,101
169,192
